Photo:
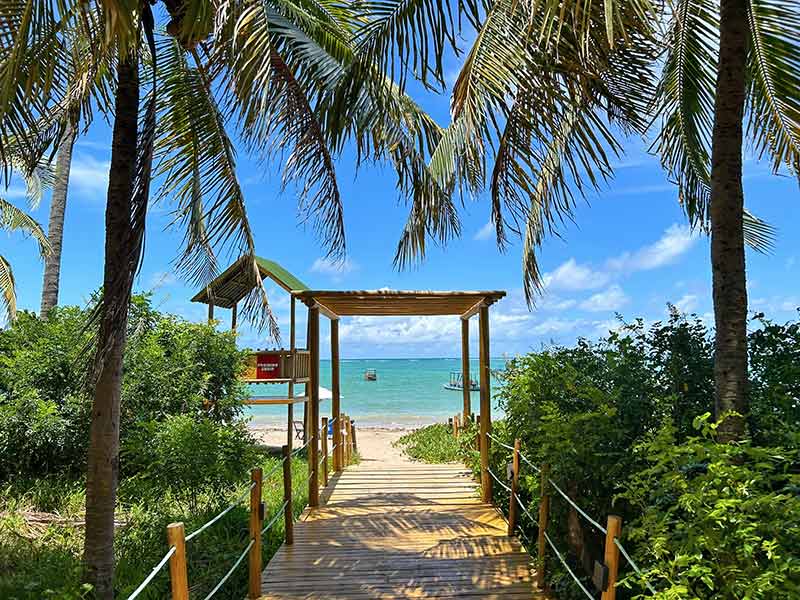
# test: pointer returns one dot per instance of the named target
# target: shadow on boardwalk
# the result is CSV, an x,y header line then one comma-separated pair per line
x,y
401,531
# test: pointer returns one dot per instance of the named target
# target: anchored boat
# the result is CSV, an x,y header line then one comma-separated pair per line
x,y
457,383
370,375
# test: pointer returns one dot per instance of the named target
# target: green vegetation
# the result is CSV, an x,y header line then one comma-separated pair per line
x,y
625,424
186,454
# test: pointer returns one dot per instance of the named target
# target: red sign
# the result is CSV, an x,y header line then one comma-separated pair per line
x,y
268,365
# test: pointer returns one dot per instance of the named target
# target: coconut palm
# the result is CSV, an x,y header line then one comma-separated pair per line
x,y
727,64
295,78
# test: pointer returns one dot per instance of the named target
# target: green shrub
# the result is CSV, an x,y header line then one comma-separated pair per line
x,y
185,455
716,520
433,444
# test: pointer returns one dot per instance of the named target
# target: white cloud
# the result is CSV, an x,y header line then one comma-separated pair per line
x,y
555,303
687,303
89,175
335,269
573,276
550,326
485,233
676,241
612,298
14,193
161,279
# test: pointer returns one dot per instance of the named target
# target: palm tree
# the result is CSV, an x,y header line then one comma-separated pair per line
x,y
15,219
726,63
299,78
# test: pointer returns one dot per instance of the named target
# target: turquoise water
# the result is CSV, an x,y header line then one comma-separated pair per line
x,y
408,392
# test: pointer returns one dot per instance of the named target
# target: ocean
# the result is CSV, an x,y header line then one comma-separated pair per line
x,y
409,392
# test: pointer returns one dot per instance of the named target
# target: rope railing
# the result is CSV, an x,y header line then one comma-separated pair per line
x,y
230,507
566,566
153,573
275,517
613,546
176,554
230,571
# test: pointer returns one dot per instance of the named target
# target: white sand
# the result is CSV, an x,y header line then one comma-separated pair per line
x,y
374,443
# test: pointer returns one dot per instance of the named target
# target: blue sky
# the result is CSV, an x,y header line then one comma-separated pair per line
x,y
629,251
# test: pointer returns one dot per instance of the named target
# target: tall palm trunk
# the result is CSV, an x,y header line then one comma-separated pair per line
x,y
55,228
103,458
727,206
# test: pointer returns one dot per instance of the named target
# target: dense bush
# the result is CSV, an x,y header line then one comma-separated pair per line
x,y
170,367
716,520
185,455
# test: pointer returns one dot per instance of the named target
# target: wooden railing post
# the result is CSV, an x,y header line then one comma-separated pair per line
x,y
512,501
178,577
254,557
613,530
354,436
288,520
348,426
324,451
544,514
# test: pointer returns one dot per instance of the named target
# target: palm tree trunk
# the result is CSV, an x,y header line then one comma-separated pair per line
x,y
55,228
103,457
727,238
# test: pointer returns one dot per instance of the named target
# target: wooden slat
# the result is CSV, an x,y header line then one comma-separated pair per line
x,y
401,531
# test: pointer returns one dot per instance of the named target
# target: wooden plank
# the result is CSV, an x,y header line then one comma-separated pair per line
x,y
415,531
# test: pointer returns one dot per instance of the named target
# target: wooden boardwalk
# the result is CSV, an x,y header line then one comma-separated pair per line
x,y
401,531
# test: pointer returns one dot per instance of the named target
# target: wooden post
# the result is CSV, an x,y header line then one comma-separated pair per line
x,y
486,416
456,420
325,451
293,348
613,530
234,311
353,435
313,399
348,426
178,578
465,379
512,502
210,311
335,397
544,515
254,557
288,521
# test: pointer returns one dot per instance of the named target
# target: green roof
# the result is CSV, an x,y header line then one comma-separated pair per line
x,y
235,282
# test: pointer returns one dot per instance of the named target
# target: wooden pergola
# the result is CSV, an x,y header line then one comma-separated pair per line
x,y
230,287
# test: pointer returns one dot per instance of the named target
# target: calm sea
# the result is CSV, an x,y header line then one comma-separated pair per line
x,y
409,392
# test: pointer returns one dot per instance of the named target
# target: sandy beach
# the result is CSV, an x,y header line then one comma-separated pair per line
x,y
374,443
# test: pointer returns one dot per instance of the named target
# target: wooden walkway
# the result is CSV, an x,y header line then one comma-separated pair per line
x,y
401,531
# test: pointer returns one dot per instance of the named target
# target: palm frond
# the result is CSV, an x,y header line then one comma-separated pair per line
x,y
196,159
774,90
14,219
685,102
8,289
758,234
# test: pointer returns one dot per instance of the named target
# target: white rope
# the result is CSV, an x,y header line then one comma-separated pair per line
x,y
503,485
498,442
566,566
578,508
627,556
153,573
232,569
223,513
525,510
275,517
529,463
296,450
274,469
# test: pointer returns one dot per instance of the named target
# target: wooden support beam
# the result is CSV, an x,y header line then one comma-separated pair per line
x,y
178,577
210,311
292,347
465,378
313,409
335,398
254,557
613,530
486,403
234,316
325,451
288,517
512,501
